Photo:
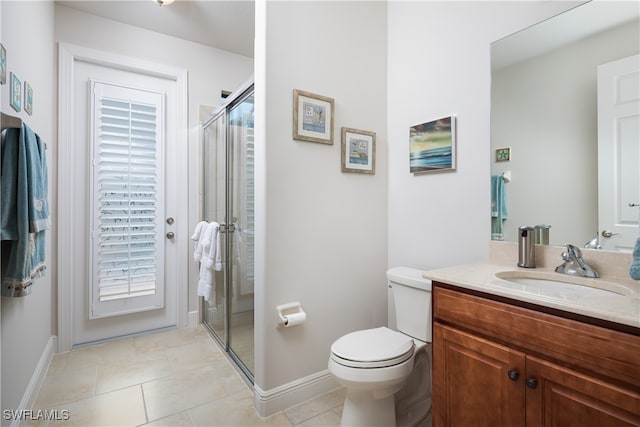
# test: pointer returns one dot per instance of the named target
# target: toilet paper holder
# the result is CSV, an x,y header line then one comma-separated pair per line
x,y
291,314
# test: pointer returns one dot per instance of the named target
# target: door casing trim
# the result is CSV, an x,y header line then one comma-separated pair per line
x,y
68,55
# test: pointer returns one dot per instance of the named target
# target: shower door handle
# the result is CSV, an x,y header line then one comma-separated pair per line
x,y
224,228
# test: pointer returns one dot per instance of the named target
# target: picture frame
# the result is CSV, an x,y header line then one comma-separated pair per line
x,y
313,117
28,98
358,151
3,64
432,146
503,154
16,93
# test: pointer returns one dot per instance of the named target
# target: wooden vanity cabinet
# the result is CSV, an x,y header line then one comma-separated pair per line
x,y
497,364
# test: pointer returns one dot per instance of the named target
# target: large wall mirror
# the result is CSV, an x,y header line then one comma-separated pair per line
x,y
545,92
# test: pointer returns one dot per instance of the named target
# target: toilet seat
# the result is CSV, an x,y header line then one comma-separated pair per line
x,y
372,348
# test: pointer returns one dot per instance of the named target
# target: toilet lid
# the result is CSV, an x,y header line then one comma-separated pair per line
x,y
372,348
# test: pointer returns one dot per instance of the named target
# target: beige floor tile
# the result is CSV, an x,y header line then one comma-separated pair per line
x,y
179,420
183,390
312,408
235,410
69,386
118,408
326,419
170,338
194,355
114,376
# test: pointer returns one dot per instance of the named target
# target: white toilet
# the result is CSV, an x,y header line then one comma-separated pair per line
x,y
387,373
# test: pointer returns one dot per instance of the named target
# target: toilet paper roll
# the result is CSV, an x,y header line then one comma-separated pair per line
x,y
295,319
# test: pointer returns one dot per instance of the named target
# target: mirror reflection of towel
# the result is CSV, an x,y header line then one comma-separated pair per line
x,y
498,207
634,270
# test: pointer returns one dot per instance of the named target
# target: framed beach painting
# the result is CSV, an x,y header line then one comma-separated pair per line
x,y
358,151
432,146
312,117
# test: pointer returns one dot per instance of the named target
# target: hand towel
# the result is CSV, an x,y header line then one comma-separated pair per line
x,y
498,207
24,209
634,270
209,242
197,236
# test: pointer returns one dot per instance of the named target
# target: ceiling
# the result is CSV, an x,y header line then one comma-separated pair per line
x,y
222,24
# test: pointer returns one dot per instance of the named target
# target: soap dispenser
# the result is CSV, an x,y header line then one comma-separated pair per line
x,y
526,247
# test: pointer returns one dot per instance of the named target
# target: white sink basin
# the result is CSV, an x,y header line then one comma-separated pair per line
x,y
562,286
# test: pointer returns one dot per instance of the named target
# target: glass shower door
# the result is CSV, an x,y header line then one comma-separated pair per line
x,y
215,159
241,240
229,201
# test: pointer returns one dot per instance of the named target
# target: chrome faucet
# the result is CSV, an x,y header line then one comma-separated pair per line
x,y
574,264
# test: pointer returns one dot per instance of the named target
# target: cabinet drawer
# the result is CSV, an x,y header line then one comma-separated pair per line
x,y
600,351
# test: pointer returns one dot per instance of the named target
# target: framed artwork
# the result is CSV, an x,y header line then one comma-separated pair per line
x,y
503,154
3,64
28,98
432,146
358,151
312,117
16,93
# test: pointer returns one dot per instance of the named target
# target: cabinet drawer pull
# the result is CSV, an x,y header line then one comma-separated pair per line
x,y
531,383
514,375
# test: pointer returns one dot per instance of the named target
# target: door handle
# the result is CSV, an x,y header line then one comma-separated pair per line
x,y
608,233
634,205
171,235
170,221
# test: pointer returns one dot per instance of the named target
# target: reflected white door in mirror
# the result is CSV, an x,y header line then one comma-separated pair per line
x,y
619,153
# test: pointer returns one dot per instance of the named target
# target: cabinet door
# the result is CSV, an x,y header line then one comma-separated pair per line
x,y
476,382
561,397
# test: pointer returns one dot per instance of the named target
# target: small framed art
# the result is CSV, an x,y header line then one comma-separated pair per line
x,y
3,64
28,98
432,146
503,154
312,117
16,93
358,151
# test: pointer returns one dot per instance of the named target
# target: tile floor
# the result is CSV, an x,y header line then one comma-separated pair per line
x,y
173,378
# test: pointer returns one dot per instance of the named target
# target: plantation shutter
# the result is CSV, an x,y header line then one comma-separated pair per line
x,y
128,187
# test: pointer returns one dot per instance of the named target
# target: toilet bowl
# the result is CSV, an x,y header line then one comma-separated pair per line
x,y
387,372
374,365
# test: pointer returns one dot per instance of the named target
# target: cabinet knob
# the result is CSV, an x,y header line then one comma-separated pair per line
x,y
531,383
514,375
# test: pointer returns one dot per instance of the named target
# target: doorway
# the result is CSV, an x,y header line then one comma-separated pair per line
x,y
122,219
229,200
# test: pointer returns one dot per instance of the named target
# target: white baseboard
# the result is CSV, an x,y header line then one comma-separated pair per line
x,y
30,395
193,318
269,402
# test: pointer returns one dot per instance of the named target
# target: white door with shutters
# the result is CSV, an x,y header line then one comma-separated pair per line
x,y
619,153
127,211
127,248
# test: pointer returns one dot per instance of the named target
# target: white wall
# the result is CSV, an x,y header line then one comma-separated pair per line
x,y
28,323
210,71
439,64
323,232
545,109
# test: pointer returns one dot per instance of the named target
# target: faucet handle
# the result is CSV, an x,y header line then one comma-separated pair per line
x,y
572,252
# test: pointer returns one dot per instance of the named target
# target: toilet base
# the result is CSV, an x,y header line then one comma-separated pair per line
x,y
360,409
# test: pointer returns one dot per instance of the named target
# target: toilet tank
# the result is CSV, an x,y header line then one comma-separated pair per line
x,y
410,298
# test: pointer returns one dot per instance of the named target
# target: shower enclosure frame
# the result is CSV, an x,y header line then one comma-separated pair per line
x,y
227,228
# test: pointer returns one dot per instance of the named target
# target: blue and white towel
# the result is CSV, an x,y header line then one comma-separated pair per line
x,y
24,209
498,207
